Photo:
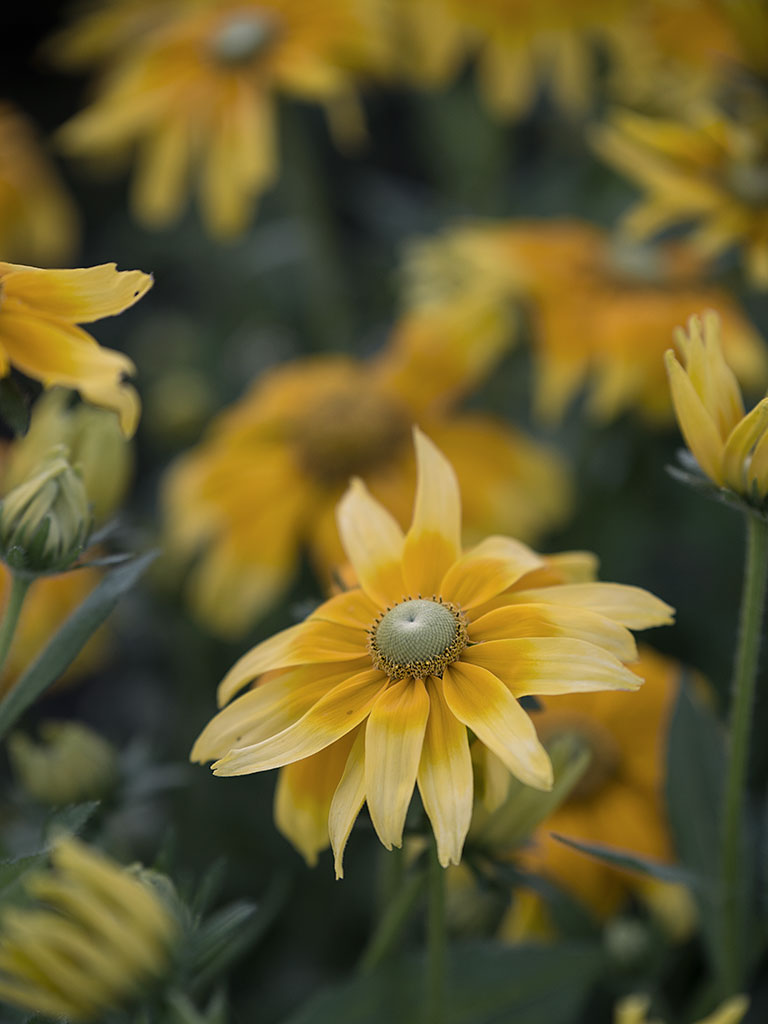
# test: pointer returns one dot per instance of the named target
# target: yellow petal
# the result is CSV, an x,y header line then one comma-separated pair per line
x,y
486,570
551,665
160,176
483,703
352,609
77,296
742,439
433,542
631,606
373,542
393,739
757,475
696,424
445,776
731,1011
347,801
332,717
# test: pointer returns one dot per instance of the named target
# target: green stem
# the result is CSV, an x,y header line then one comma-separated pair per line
x,y
732,863
393,920
19,588
434,1003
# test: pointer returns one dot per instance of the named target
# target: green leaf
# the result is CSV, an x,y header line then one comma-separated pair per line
x,y
487,983
632,862
72,818
69,640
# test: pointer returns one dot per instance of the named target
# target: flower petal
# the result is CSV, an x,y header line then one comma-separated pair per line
x,y
483,703
445,776
739,444
347,801
394,736
486,570
332,717
352,609
631,606
76,296
373,542
433,542
696,424
551,665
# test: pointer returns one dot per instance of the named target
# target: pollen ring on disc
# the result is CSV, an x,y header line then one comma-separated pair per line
x,y
418,637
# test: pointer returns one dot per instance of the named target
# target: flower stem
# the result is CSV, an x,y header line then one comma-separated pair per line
x,y
732,866
434,1002
19,587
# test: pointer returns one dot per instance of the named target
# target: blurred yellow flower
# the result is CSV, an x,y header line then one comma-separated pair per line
x,y
196,94
730,447
375,692
634,1010
601,311
70,763
93,937
39,314
265,481
38,220
708,171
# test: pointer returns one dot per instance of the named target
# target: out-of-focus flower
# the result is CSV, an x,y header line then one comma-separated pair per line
x,y
93,439
731,447
618,801
95,936
69,764
375,692
265,481
709,171
39,314
634,1010
601,311
196,94
38,220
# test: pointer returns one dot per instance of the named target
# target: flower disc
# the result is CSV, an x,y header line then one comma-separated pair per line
x,y
417,638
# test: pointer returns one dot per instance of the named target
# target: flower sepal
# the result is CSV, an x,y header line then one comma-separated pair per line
x,y
690,474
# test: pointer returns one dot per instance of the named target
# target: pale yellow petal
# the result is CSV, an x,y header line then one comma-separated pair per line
x,y
696,424
486,570
347,801
633,607
373,542
742,439
77,296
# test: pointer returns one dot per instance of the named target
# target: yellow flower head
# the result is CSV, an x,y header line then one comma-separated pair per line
x,y
377,690
39,314
196,94
95,936
634,1010
730,447
71,763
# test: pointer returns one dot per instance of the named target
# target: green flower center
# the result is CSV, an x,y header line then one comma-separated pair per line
x,y
418,638
243,36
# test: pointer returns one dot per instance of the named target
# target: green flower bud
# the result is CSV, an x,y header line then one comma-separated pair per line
x,y
46,520
72,763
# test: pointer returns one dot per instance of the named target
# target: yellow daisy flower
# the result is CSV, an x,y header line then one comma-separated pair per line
x,y
634,1010
601,312
264,483
94,937
196,94
375,692
708,171
731,447
39,314
38,220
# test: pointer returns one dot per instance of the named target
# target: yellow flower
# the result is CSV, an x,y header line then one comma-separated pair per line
x,y
38,220
265,482
69,764
601,312
709,171
39,314
730,447
375,692
95,936
196,94
634,1010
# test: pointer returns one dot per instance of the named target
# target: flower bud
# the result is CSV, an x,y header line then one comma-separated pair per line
x,y
45,521
72,763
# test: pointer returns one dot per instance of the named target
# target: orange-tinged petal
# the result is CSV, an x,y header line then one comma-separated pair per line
x,y
551,665
631,606
76,296
433,542
696,424
347,801
445,776
332,717
394,735
483,703
373,542
486,570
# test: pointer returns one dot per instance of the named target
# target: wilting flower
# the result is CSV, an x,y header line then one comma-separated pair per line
x,y
39,314
601,311
266,480
709,171
194,89
730,447
70,763
634,1010
375,692
38,220
95,935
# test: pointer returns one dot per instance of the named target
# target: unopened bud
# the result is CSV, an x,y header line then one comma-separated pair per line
x,y
71,763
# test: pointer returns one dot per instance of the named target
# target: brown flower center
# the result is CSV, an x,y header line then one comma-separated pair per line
x,y
605,756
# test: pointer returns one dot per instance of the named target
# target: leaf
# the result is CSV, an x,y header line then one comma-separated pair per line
x,y
72,818
632,862
486,983
69,640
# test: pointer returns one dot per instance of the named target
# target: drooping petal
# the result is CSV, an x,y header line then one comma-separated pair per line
x,y
347,801
486,570
433,542
394,736
373,542
445,776
551,665
633,607
75,296
483,703
332,717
